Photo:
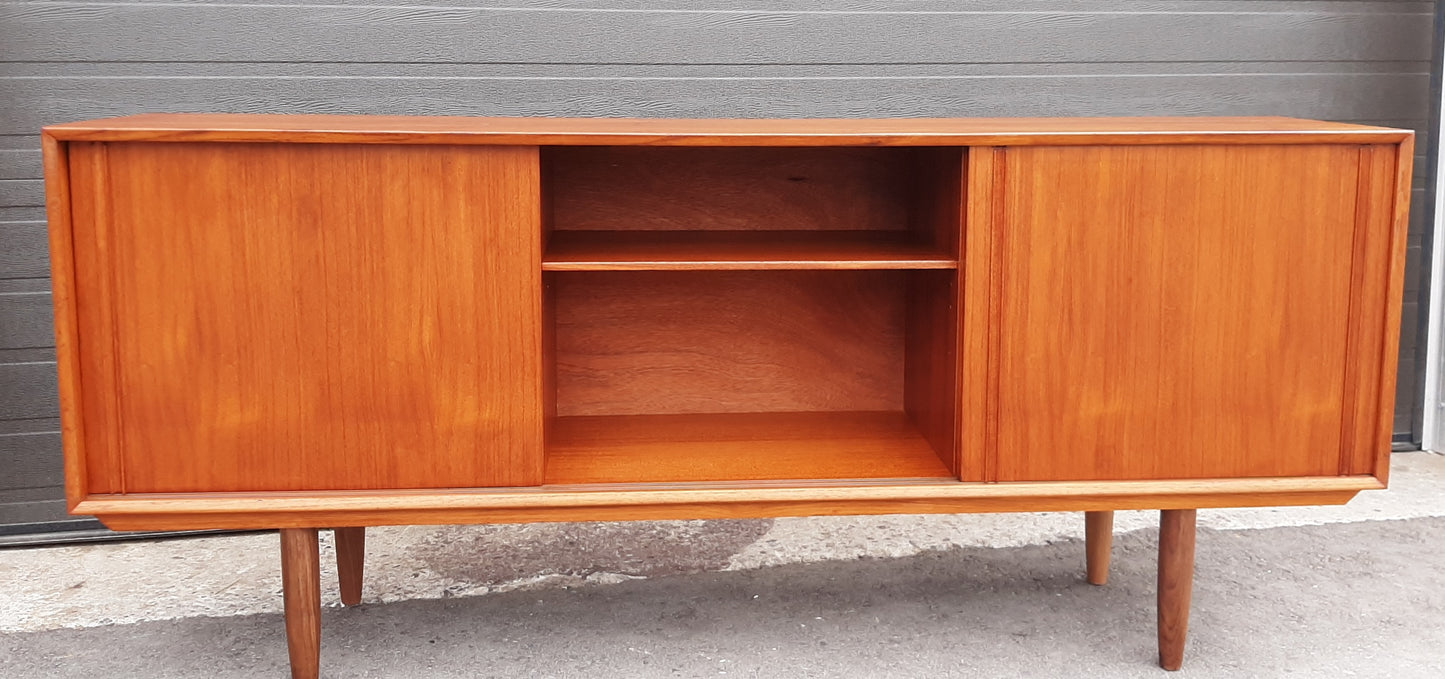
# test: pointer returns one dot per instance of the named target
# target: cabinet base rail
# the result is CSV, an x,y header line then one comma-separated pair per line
x,y
628,502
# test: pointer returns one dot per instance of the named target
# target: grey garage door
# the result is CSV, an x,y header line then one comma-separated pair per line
x,y
59,61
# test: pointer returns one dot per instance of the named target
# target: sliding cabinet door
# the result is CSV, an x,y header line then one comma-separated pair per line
x,y
263,317
1165,312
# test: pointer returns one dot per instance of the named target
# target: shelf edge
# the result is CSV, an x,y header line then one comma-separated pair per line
x,y
770,265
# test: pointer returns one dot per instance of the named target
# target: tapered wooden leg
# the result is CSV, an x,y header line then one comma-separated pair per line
x,y
1098,543
301,587
1176,583
350,561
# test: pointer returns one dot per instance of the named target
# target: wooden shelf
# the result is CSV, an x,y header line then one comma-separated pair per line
x,y
740,250
739,447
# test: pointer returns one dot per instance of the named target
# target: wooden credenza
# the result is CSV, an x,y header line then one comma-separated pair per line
x,y
307,322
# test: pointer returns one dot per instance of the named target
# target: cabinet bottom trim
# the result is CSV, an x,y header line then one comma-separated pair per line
x,y
238,511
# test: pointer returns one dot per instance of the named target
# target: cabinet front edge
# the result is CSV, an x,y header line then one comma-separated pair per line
x,y
552,503
740,132
56,164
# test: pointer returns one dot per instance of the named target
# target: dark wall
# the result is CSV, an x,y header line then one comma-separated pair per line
x,y
61,61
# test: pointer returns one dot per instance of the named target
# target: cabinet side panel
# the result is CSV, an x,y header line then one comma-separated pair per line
x,y
1368,359
62,293
297,317
1175,311
931,375
1399,234
930,367
91,247
1381,224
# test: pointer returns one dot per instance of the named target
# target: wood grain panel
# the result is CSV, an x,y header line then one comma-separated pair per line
x,y
631,449
935,197
979,302
317,317
60,208
772,33
88,356
1395,275
931,352
1174,311
930,361
1369,282
731,188
638,343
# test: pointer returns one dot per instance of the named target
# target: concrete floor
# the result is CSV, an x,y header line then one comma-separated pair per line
x,y
1311,592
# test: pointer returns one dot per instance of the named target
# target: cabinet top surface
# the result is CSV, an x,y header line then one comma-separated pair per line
x,y
226,127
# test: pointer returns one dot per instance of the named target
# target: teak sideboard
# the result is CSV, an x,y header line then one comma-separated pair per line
x,y
331,322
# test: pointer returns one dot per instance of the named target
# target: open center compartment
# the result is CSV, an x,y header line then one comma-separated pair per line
x,y
751,314
650,208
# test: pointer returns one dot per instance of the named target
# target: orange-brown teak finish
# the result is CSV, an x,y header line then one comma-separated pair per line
x,y
306,322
